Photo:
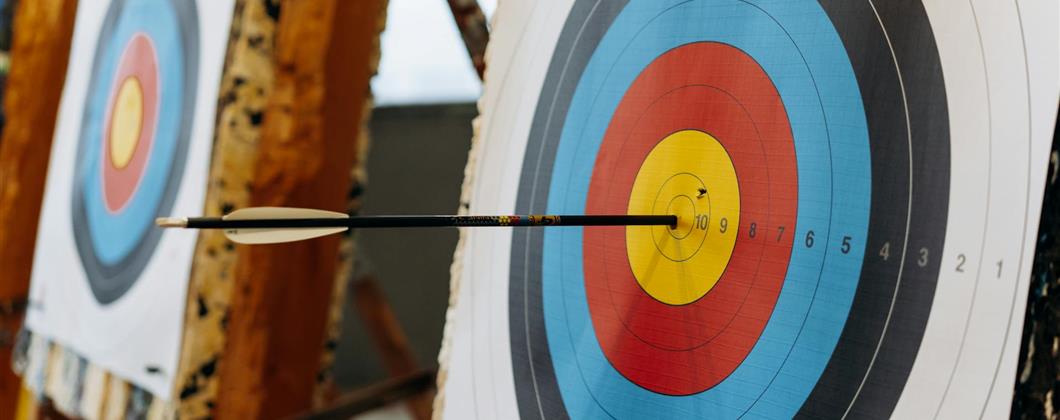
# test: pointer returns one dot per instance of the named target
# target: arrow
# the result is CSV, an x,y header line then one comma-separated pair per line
x,y
268,225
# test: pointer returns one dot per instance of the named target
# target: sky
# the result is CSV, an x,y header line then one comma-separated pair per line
x,y
423,58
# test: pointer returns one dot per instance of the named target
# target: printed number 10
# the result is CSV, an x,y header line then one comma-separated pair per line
x,y
701,221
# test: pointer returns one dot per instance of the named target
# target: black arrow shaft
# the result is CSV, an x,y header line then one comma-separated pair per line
x,y
360,222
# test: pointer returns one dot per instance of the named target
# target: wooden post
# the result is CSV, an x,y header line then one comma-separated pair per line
x,y
474,31
389,339
41,48
375,396
281,293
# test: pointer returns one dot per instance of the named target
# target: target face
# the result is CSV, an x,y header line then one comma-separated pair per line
x,y
133,141
694,298
772,126
134,137
854,183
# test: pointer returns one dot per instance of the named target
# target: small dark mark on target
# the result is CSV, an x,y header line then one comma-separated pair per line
x,y
272,8
191,388
702,191
207,369
203,309
255,41
227,208
255,118
356,190
153,370
228,98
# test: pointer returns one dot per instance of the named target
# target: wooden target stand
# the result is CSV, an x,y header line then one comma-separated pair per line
x,y
255,343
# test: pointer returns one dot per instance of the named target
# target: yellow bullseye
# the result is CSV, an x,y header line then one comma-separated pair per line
x,y
126,122
688,174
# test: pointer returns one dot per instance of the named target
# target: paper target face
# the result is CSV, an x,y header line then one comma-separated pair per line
x,y
808,151
134,138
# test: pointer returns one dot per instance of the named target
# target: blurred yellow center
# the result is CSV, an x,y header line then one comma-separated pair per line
x,y
126,122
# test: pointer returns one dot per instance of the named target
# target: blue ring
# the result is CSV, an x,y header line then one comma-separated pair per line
x,y
114,236
800,50
115,249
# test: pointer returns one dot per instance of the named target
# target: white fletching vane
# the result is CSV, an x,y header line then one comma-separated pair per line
x,y
280,235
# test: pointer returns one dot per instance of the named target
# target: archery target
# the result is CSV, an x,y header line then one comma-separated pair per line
x,y
134,138
132,143
822,159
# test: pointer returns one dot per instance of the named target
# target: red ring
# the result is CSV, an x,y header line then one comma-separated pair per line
x,y
681,350
140,61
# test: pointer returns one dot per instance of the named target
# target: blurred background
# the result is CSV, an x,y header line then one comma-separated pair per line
x,y
420,131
